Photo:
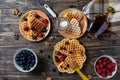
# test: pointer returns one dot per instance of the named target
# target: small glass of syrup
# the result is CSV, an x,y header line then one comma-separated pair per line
x,y
100,23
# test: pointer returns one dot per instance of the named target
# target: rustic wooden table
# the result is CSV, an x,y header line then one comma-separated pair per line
x,y
108,43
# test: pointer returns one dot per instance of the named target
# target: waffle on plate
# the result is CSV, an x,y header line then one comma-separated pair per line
x,y
66,51
77,20
34,25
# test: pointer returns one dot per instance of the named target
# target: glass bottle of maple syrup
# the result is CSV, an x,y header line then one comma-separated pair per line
x,y
100,23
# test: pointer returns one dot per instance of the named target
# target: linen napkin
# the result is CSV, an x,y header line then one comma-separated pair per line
x,y
96,7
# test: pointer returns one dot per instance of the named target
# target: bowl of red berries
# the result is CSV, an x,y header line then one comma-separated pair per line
x,y
25,60
105,66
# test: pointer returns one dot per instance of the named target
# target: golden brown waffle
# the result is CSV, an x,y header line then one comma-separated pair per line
x,y
35,21
72,51
38,24
76,15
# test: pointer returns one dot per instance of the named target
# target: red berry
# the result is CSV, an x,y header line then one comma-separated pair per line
x,y
109,66
61,58
104,70
105,59
101,66
99,71
45,21
107,70
109,61
109,73
26,28
103,75
97,66
105,63
113,69
113,64
40,34
100,61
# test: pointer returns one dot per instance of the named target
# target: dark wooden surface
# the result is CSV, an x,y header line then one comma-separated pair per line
x,y
108,43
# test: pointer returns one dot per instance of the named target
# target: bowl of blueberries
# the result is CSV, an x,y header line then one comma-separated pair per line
x,y
25,60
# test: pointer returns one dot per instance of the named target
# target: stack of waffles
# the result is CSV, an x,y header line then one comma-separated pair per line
x,y
67,51
34,25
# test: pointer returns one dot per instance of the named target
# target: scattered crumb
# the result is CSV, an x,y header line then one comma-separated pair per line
x,y
89,76
49,78
15,11
19,14
51,38
44,73
16,36
47,43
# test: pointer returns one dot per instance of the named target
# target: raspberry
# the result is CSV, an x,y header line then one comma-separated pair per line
x,y
113,69
109,66
113,64
45,21
61,58
105,59
105,63
97,66
26,28
101,66
99,71
109,73
103,75
100,61
103,70
109,61
40,34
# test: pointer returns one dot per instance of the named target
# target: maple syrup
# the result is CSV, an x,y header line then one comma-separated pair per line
x,y
100,23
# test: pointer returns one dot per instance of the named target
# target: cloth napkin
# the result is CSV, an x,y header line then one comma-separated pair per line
x,y
96,7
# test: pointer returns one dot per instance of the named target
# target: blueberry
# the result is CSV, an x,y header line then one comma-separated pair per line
x,y
24,68
24,51
32,28
25,19
44,30
37,16
27,68
58,53
29,57
29,60
21,65
17,59
33,57
27,51
18,63
22,55
33,61
34,37
31,65
56,59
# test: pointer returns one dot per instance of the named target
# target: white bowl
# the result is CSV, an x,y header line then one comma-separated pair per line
x,y
19,67
112,59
